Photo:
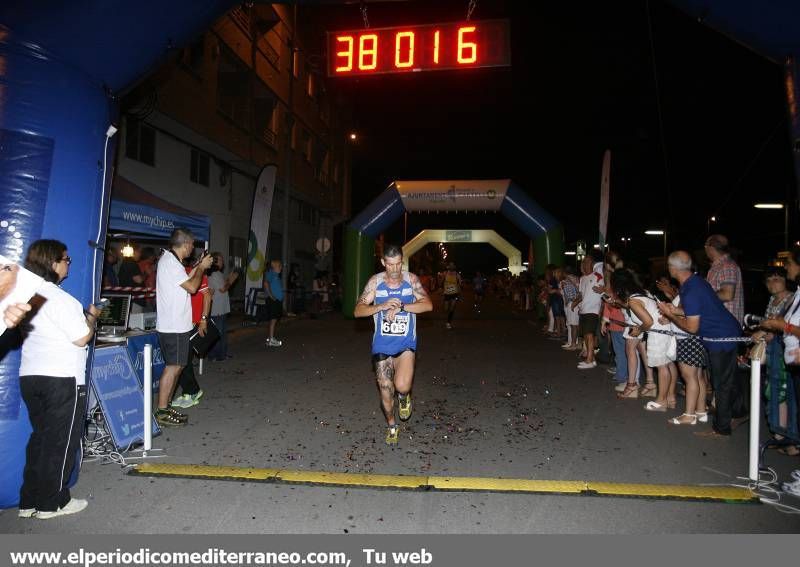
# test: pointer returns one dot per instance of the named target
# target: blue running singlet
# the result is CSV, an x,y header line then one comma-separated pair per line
x,y
396,336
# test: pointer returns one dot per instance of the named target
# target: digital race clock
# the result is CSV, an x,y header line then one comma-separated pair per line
x,y
428,47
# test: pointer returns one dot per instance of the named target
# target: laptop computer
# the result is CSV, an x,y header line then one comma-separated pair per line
x,y
113,319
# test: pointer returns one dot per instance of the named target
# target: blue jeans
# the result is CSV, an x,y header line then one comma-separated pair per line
x,y
621,359
220,349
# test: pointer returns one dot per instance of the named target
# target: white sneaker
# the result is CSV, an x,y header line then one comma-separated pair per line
x,y
792,487
586,365
26,512
274,342
183,402
566,346
448,325
74,506
611,369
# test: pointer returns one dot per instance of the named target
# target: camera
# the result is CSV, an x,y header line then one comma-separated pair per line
x,y
752,321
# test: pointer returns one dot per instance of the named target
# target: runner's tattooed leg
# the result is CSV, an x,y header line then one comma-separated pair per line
x,y
385,376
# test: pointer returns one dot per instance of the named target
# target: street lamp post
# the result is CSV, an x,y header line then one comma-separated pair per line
x,y
659,233
785,208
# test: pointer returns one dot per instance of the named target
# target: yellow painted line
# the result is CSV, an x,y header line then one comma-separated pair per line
x,y
450,483
354,479
204,471
506,484
672,491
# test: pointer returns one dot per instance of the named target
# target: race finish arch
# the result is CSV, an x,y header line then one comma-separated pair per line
x,y
485,236
490,195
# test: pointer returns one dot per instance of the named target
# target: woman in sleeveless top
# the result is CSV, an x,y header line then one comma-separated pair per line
x,y
643,312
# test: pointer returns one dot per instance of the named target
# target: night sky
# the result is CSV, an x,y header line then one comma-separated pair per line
x,y
709,138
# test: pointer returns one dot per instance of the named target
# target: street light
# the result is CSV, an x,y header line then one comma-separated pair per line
x,y
659,233
785,219
708,224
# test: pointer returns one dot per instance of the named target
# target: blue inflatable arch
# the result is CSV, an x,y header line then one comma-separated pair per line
x,y
493,195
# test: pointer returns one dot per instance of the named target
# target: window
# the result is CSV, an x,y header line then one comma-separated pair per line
x,y
307,214
140,141
305,144
311,81
193,57
264,104
233,88
296,63
199,167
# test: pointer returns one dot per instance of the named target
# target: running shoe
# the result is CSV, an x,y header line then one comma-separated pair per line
x,y
274,342
183,402
586,365
392,434
187,400
404,407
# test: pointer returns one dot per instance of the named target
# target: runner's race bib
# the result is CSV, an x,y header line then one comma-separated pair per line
x,y
396,328
450,288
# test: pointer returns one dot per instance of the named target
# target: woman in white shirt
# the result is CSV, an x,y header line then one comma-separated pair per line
x,y
644,314
53,384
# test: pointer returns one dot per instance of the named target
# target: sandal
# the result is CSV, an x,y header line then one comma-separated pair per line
x,y
677,420
631,391
166,419
182,417
655,406
649,390
790,450
672,404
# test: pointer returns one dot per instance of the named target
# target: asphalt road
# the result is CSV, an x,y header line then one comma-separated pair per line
x,y
493,398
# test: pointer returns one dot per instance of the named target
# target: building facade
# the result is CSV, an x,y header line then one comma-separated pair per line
x,y
197,131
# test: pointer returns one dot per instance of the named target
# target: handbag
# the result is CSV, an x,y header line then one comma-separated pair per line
x,y
201,345
672,348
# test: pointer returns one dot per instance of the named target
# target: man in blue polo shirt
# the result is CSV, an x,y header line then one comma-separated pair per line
x,y
701,312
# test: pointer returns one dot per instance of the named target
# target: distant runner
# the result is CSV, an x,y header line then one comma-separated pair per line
x,y
393,298
452,291
478,288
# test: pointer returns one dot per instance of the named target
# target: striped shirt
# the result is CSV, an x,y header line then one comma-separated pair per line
x,y
724,271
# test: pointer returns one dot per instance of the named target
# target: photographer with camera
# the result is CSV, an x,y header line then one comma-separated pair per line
x,y
777,376
789,324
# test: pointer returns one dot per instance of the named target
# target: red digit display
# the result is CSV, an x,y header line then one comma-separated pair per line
x,y
419,48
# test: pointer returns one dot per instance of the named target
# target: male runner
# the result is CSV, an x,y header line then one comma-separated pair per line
x,y
452,290
393,298
478,288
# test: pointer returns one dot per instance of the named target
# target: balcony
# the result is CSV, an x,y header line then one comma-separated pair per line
x,y
242,19
269,53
